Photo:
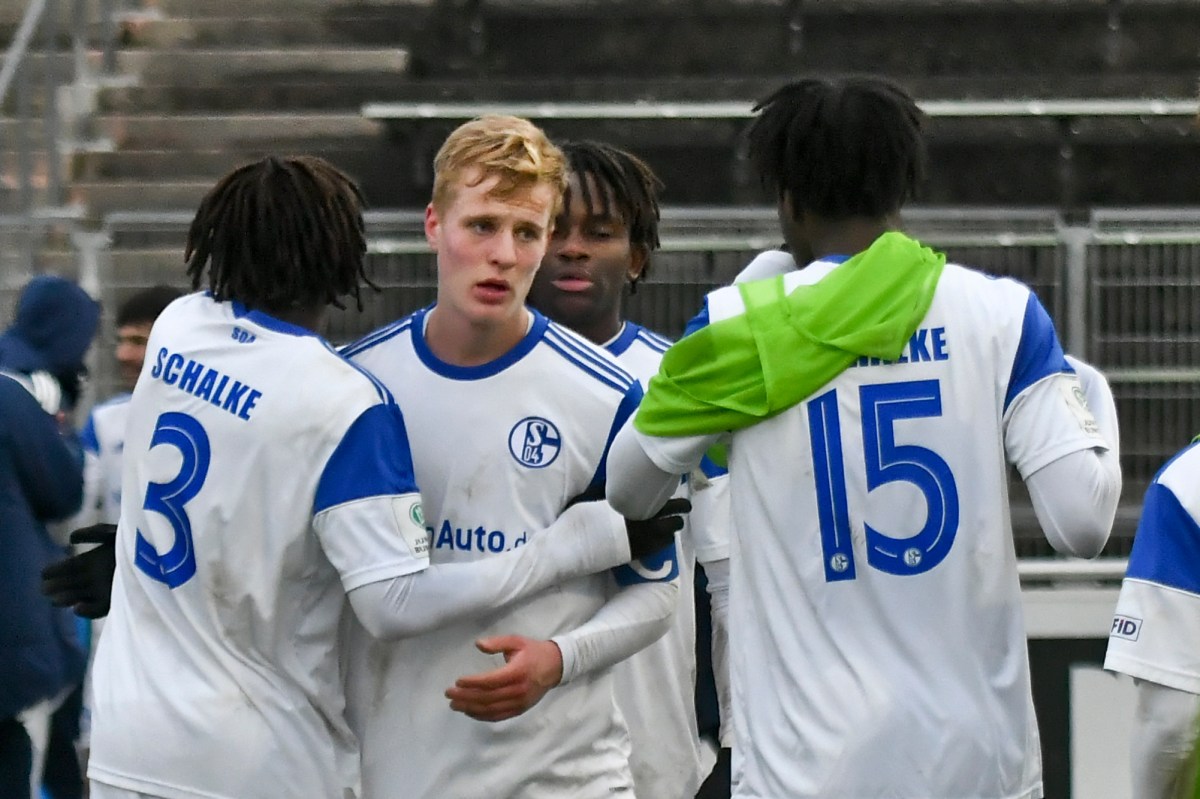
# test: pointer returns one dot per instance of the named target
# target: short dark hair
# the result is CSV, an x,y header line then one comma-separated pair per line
x,y
145,306
279,234
630,182
839,148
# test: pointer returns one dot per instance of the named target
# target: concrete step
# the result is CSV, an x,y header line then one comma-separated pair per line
x,y
261,8
325,91
653,88
209,67
103,197
277,131
361,25
763,38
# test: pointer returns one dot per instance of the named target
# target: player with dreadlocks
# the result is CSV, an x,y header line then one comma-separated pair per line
x,y
874,400
600,249
266,480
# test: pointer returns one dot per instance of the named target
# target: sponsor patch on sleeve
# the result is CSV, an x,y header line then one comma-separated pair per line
x,y
1126,627
410,518
1072,392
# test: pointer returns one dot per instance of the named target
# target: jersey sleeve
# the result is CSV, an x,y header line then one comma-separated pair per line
x,y
1045,411
367,511
1155,634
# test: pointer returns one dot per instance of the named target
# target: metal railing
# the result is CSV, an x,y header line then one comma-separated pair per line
x,y
1123,290
51,47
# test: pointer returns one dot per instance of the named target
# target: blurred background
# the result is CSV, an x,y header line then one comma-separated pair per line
x,y
1063,145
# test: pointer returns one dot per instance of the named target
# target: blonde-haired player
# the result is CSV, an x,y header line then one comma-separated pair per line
x,y
510,417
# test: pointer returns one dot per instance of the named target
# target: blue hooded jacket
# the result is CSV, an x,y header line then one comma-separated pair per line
x,y
41,479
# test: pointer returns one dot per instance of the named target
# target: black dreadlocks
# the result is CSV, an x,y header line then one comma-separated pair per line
x,y
623,179
280,234
839,148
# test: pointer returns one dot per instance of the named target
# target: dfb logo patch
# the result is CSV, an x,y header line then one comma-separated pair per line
x,y
534,442
1126,627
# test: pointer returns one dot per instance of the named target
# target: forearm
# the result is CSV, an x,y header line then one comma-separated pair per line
x,y
718,595
635,617
1164,742
587,538
1075,499
636,486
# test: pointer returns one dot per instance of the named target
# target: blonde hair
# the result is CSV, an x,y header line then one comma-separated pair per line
x,y
512,148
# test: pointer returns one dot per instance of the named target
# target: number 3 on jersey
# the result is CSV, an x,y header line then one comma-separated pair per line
x,y
178,564
886,462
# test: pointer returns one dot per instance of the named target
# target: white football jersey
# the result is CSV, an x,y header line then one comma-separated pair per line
x,y
656,688
1155,633
103,439
877,641
499,450
265,476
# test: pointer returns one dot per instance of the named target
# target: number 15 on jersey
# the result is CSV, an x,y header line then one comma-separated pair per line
x,y
886,462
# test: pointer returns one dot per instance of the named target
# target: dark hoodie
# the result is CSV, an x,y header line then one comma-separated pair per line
x,y
41,479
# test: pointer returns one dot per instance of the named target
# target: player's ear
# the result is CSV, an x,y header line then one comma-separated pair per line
x,y
433,226
639,255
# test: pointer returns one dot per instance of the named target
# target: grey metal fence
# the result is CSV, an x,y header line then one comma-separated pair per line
x,y
1124,291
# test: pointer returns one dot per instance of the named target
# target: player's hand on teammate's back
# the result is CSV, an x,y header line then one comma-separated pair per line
x,y
84,581
531,668
647,536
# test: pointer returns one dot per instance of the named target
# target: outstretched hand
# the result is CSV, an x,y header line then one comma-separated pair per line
x,y
531,668
647,536
84,581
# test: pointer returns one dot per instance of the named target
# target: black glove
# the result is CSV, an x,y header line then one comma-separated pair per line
x,y
647,536
84,581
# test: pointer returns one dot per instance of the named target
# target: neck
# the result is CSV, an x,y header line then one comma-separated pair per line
x,y
601,331
307,318
847,236
459,342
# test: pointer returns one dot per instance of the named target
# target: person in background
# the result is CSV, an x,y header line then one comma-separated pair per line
x,y
600,249
41,481
103,434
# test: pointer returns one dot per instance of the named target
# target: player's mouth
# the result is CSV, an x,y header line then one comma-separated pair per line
x,y
492,291
573,281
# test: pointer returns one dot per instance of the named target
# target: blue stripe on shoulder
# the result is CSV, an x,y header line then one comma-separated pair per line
x,y
377,337
629,404
1166,546
372,460
588,360
653,340
1039,354
698,321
